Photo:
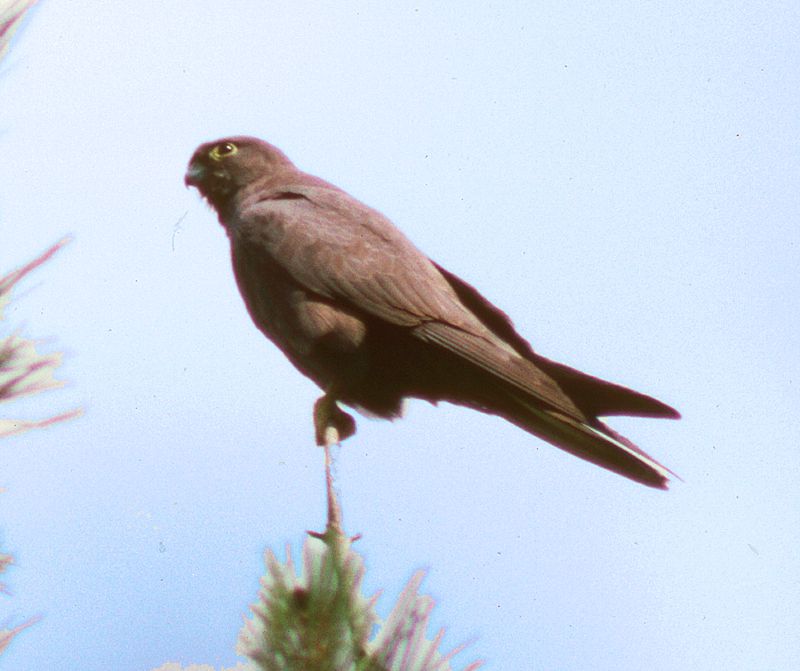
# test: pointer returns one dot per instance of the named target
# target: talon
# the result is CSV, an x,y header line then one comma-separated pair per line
x,y
332,425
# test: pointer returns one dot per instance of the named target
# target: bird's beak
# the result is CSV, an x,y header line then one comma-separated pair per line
x,y
195,174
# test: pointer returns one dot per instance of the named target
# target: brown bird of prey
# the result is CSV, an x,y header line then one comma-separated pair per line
x,y
357,308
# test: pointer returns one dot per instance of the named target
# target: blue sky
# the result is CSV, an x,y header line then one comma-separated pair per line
x,y
621,179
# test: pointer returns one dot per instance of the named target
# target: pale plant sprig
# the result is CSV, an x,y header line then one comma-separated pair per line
x,y
23,370
11,15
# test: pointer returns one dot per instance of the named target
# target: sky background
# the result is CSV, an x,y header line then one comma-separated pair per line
x,y
622,178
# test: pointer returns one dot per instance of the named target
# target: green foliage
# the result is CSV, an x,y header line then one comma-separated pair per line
x,y
320,621
317,620
175,666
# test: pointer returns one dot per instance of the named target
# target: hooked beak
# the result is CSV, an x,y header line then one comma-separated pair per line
x,y
195,174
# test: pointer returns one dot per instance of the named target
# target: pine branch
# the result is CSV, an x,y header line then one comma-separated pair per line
x,y
23,370
320,621
10,18
175,666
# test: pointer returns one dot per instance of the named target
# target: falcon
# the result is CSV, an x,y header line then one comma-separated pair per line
x,y
362,312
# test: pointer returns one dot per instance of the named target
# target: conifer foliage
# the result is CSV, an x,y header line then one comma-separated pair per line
x,y
319,620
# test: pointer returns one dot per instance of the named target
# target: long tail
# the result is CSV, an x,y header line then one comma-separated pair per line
x,y
595,396
591,440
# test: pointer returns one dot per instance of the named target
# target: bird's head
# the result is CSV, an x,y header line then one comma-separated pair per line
x,y
220,169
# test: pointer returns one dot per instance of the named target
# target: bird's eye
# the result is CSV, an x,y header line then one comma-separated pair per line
x,y
223,150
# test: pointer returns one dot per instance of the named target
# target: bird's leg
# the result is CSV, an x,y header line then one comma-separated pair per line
x,y
332,425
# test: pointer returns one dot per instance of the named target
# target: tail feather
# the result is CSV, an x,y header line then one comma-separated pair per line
x,y
580,433
597,397
594,396
592,441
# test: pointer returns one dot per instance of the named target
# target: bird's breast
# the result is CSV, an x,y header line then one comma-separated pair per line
x,y
314,332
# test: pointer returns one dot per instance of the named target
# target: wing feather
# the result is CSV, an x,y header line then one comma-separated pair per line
x,y
501,362
353,254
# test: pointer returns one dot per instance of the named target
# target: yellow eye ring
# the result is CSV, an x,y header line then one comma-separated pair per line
x,y
223,150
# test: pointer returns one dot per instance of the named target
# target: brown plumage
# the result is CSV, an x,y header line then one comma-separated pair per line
x,y
360,310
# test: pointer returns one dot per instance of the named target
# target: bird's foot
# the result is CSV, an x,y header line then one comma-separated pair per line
x,y
332,425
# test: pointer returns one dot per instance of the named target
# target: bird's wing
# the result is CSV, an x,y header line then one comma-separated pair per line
x,y
594,396
342,250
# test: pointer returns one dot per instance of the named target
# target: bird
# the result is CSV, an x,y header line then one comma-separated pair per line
x,y
361,311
